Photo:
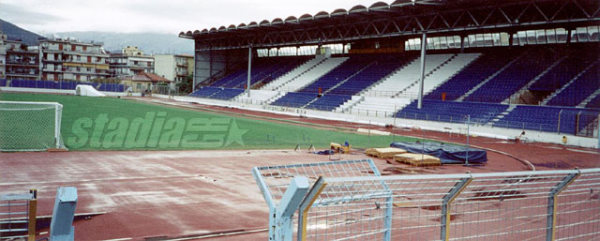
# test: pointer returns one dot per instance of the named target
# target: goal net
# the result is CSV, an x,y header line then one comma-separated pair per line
x,y
30,126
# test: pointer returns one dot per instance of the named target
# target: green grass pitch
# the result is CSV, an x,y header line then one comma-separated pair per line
x,y
90,123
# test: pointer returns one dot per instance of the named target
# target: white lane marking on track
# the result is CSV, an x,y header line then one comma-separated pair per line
x,y
575,150
99,180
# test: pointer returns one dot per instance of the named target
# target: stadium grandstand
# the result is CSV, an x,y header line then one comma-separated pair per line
x,y
506,64
412,119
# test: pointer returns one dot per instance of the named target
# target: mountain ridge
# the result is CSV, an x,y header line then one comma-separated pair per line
x,y
150,43
14,32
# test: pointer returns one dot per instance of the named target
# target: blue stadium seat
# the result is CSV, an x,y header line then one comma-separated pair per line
x,y
205,92
295,99
217,93
471,75
513,78
263,70
227,93
594,103
450,111
581,88
329,102
548,119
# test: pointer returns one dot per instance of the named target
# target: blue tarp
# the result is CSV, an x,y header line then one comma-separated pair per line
x,y
325,152
447,153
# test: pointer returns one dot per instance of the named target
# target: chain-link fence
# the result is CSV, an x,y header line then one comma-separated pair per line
x,y
343,204
551,205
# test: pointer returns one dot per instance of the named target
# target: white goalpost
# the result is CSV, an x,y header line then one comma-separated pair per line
x,y
30,126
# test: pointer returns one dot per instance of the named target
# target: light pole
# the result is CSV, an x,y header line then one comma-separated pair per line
x,y
468,134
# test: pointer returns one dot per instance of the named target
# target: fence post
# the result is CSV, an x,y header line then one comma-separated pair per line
x,y
552,203
306,204
558,127
468,135
61,225
287,207
32,215
446,202
57,122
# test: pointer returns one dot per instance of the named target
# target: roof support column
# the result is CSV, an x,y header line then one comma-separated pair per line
x,y
422,79
194,74
462,43
249,69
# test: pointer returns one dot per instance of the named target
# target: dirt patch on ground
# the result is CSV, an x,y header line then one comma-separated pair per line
x,y
173,193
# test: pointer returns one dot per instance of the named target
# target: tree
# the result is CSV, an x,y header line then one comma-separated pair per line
x,y
185,86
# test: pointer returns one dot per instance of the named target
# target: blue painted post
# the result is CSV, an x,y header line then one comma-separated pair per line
x,y
290,202
389,206
61,226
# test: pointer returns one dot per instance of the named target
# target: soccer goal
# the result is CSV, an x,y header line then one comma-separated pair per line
x,y
30,126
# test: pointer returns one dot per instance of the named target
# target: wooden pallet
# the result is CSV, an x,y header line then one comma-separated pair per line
x,y
387,152
415,159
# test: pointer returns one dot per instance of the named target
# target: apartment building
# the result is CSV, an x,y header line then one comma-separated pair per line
x,y
21,61
130,61
69,59
173,67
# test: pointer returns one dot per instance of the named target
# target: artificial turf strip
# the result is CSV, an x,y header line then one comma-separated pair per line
x,y
91,123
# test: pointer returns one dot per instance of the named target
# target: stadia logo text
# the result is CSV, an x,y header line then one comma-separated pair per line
x,y
154,130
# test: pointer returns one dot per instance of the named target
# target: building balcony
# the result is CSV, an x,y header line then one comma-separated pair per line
x,y
20,74
21,52
140,67
52,60
83,61
54,51
96,65
22,64
87,53
56,70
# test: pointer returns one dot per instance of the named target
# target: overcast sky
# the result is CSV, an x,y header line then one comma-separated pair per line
x,y
162,16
